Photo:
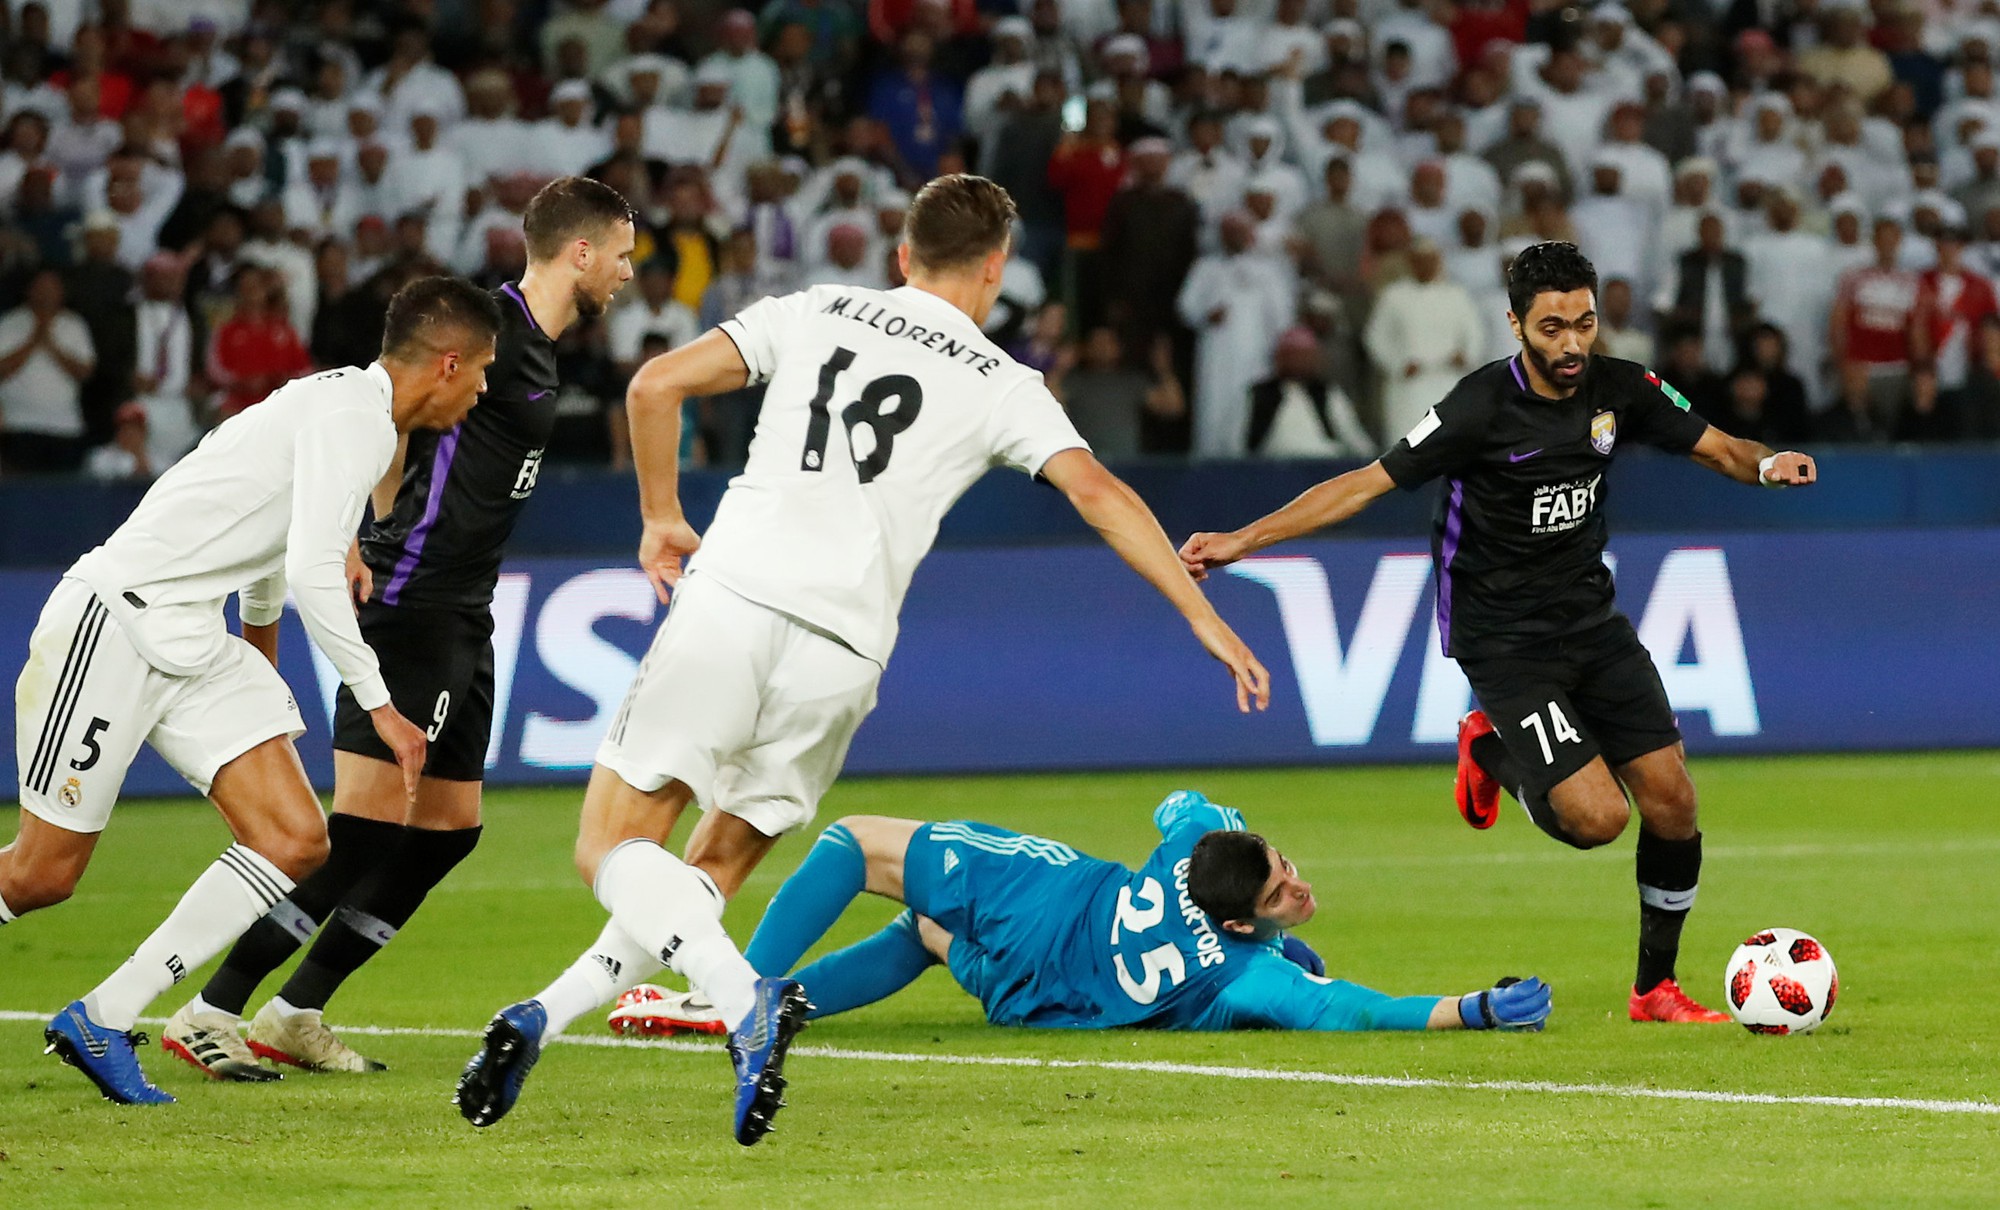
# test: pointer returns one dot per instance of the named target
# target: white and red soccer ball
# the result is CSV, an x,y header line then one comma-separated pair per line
x,y
1780,981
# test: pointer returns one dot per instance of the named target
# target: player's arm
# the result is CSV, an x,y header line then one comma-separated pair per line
x,y
334,470
710,365
1279,995
1753,461
1191,809
1122,519
259,606
1319,506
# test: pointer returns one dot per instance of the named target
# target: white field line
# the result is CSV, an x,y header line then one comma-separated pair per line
x,y
1209,1071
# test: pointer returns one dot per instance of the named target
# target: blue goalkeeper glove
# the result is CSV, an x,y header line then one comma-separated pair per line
x,y
1301,955
1511,1004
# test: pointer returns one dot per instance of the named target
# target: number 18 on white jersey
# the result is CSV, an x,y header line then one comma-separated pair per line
x,y
882,409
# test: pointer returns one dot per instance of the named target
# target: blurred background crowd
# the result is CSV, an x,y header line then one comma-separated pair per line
x,y
1271,228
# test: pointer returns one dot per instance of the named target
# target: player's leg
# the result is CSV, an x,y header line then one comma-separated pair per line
x,y
860,852
42,866
1542,751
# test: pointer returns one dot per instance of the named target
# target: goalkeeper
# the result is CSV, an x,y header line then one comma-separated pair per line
x,y
1195,938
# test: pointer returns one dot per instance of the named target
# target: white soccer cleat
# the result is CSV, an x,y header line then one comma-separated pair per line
x,y
303,1040
210,1042
651,1011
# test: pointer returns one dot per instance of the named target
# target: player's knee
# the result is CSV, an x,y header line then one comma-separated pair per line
x,y
297,849
1599,823
32,890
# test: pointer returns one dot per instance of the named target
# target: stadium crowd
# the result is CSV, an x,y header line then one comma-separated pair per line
x,y
1267,227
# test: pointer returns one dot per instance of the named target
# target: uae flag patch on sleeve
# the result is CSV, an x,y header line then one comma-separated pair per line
x,y
1666,388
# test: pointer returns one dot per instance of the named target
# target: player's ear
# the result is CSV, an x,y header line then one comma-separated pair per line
x,y
903,259
1514,324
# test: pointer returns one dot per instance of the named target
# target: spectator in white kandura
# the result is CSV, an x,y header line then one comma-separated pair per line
x,y
1219,36
125,456
370,191
310,203
1648,178
163,358
568,142
1427,209
1127,62
410,82
603,36
1470,182
1433,59
1574,107
490,141
848,201
1003,85
708,132
1792,278
753,77
1615,232
1291,43
1616,334
1424,334
1694,196
1207,170
45,356
1765,139
81,142
1297,413
847,261
1237,301
654,312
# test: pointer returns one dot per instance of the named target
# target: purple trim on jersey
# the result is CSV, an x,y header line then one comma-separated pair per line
x,y
1454,521
513,292
413,546
1514,364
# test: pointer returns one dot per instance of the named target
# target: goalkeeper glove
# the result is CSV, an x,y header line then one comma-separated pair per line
x,y
1301,955
1510,1004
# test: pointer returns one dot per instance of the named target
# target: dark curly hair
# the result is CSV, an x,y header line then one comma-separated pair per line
x,y
1553,266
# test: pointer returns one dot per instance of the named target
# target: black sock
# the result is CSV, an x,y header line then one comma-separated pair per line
x,y
1668,872
357,848
367,921
1490,753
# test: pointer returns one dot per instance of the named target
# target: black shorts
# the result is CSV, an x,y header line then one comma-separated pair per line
x,y
439,667
1560,704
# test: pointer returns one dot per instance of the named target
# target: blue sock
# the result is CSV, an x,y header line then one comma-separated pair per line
x,y
868,970
832,874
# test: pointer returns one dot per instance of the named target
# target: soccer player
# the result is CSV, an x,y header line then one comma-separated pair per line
x,y
431,560
132,648
883,407
1195,938
1572,716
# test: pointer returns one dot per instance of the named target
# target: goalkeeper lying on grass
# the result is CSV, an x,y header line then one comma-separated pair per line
x,y
1047,936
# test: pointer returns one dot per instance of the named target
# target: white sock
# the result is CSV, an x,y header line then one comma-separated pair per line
x,y
199,1007
674,911
285,1008
229,897
6,913
613,965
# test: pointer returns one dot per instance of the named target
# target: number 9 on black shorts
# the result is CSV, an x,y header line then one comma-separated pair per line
x,y
1565,701
438,664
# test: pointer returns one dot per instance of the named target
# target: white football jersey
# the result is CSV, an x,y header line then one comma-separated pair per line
x,y
274,492
883,407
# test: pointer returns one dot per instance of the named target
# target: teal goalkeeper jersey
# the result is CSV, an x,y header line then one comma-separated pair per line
x,y
1141,954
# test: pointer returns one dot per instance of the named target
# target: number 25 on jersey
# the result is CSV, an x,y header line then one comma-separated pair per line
x,y
887,406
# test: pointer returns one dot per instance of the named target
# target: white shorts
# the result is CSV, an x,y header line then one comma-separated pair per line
x,y
749,708
87,699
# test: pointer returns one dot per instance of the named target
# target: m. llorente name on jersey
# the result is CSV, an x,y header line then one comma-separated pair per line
x,y
887,322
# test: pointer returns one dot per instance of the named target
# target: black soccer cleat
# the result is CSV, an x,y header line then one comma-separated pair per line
x,y
507,1053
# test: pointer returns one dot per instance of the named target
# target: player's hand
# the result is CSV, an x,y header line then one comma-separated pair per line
x,y
406,740
1511,1004
661,548
1252,682
1790,469
360,580
1204,551
1301,955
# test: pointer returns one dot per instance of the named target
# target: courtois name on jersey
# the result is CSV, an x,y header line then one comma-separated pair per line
x,y
1140,953
883,408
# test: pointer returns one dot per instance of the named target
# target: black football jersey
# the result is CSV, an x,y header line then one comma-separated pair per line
x,y
463,488
1518,535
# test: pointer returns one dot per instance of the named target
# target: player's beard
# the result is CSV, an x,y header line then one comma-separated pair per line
x,y
588,305
1549,369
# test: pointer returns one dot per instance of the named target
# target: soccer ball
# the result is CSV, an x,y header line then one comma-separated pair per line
x,y
1780,981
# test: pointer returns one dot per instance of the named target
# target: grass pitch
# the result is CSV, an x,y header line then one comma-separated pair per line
x,y
1887,859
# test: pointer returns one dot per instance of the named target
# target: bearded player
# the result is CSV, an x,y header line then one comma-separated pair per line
x,y
1573,719
431,559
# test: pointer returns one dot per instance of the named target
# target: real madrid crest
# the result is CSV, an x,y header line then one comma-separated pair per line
x,y
71,793
1603,432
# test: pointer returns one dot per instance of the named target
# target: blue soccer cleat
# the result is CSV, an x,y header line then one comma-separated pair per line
x,y
507,1053
105,1055
757,1048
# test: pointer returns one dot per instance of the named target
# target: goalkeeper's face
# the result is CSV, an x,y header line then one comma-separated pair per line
x,y
1286,901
